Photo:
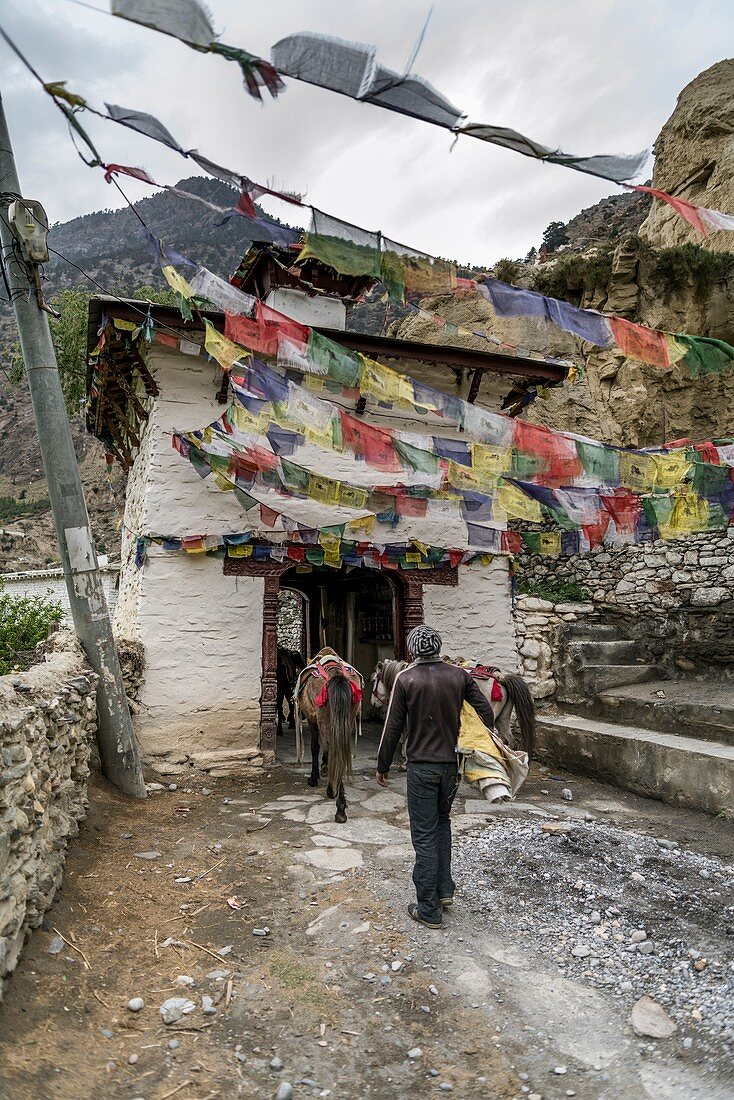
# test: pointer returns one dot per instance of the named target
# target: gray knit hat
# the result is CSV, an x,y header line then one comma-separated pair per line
x,y
424,641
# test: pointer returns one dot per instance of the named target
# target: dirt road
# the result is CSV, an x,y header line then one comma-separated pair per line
x,y
317,981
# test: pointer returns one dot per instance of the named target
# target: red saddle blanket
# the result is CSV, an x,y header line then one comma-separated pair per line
x,y
487,672
323,696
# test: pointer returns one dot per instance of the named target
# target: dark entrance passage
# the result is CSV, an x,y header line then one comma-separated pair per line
x,y
358,613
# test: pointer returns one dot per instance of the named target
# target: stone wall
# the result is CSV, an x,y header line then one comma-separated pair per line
x,y
538,627
47,724
676,596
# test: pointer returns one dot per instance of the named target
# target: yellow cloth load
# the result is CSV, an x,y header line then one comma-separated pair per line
x,y
485,760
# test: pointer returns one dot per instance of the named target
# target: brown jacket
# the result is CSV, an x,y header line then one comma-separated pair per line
x,y
428,695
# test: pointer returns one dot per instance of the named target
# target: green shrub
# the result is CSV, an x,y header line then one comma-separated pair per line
x,y
572,274
10,508
554,591
506,270
24,622
689,263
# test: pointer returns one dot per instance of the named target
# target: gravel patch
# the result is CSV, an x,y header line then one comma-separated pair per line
x,y
625,912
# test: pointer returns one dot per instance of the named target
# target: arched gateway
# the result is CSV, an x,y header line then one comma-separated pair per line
x,y
364,614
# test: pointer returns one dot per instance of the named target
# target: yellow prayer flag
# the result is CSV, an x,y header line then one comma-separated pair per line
x,y
352,497
412,557
176,281
671,469
549,543
325,440
223,350
244,421
330,543
517,505
365,523
636,471
332,559
222,482
488,461
242,551
125,326
690,514
323,489
384,384
422,547
463,477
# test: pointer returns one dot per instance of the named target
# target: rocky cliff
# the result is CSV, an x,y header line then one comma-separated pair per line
x,y
694,159
660,273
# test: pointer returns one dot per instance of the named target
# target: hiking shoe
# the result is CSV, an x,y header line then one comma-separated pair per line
x,y
446,903
415,915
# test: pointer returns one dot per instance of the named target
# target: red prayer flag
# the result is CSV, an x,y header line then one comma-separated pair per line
x,y
624,508
264,332
558,453
456,557
646,344
166,340
511,542
411,506
374,445
595,531
686,210
268,515
122,169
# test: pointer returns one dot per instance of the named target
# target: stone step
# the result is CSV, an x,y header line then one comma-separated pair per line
x,y
680,770
617,651
592,632
699,709
593,679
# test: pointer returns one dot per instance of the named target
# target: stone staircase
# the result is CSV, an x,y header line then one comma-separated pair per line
x,y
627,724
596,657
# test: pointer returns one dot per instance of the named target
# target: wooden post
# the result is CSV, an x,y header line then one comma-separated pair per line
x,y
413,608
269,697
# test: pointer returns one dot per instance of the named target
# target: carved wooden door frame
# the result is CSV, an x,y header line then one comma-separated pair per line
x,y
409,604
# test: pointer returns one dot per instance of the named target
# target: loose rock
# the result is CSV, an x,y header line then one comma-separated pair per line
x,y
135,1004
176,1007
650,1019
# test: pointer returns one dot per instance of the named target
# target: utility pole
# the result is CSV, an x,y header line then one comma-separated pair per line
x,y
117,746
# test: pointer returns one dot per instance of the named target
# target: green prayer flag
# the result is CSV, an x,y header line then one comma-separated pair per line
x,y
341,365
416,458
705,355
601,463
347,248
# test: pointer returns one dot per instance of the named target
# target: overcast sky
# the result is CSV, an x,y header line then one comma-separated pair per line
x,y
591,76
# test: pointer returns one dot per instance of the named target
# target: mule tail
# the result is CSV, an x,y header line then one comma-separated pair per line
x,y
521,699
339,694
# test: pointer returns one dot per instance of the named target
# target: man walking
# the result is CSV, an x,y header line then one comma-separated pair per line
x,y
428,696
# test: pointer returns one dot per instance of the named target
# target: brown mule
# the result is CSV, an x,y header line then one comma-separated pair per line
x,y
332,723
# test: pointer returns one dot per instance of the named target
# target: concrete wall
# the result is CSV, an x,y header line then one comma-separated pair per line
x,y
47,721
50,583
475,618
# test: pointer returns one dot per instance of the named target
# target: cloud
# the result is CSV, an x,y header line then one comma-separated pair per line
x,y
590,78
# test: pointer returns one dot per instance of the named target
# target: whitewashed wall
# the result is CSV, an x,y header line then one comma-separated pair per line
x,y
475,618
200,629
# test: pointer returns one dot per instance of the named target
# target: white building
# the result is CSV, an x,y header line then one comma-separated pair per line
x,y
209,623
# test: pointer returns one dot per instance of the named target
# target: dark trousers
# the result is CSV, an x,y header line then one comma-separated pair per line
x,y
431,791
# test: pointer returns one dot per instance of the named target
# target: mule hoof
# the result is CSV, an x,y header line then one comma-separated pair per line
x,y
312,782
340,818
